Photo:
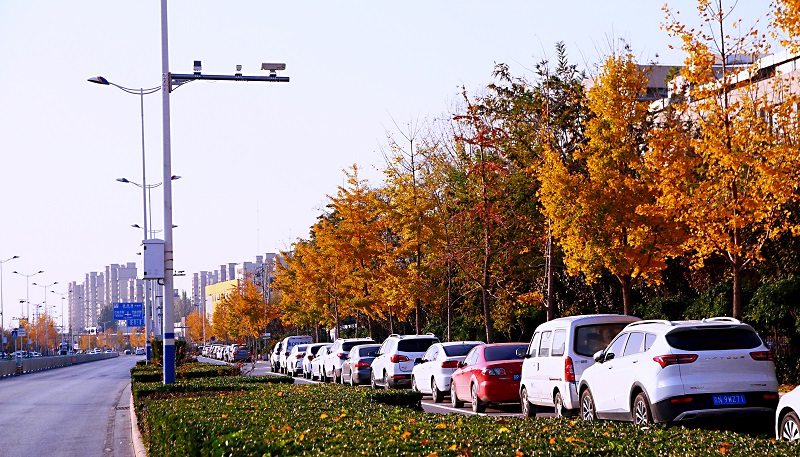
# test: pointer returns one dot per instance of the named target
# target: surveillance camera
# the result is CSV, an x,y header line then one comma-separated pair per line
x,y
273,66
238,70
198,67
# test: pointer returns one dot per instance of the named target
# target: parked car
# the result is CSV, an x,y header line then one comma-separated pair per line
x,y
140,351
559,352
315,371
127,352
431,375
332,363
286,346
490,373
787,421
311,350
665,371
356,367
294,363
241,354
275,356
396,358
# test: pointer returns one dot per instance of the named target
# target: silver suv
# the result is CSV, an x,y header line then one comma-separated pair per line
x,y
396,358
665,371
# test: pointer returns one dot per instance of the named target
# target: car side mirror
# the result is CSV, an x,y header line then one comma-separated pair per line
x,y
600,356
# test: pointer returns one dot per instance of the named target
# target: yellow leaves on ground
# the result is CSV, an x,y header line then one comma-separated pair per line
x,y
441,425
323,416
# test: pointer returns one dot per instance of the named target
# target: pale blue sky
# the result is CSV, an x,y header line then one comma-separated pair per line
x,y
266,149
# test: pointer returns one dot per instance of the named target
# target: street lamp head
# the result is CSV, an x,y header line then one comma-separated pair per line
x,y
99,80
123,180
174,177
135,226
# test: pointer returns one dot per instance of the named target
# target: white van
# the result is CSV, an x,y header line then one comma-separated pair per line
x,y
557,355
286,347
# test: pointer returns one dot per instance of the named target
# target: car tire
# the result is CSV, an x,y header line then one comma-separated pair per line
x,y
352,380
588,412
790,427
641,410
372,382
337,379
386,381
528,408
414,386
560,409
454,401
477,405
436,394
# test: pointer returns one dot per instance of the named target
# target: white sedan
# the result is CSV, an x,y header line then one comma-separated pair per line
x,y
787,421
432,374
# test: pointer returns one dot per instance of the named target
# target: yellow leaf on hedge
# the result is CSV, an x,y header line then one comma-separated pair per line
x,y
503,430
519,454
433,454
552,441
452,448
224,416
441,426
280,394
323,416
405,435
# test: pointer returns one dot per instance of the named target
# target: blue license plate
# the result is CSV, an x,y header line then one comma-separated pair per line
x,y
516,377
734,399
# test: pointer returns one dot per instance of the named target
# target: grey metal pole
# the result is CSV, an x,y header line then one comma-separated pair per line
x,y
2,316
144,218
169,332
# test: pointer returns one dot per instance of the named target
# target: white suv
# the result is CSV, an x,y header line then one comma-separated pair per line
x,y
664,371
395,360
332,363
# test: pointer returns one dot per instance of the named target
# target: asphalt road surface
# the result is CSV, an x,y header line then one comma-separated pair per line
x,y
80,410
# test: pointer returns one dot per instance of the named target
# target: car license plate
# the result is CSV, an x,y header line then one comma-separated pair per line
x,y
516,377
737,399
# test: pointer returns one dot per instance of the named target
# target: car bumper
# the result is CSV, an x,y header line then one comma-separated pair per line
x,y
400,380
689,407
361,376
499,391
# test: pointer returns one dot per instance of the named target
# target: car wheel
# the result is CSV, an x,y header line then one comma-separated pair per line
x,y
477,405
352,380
438,395
790,427
587,406
641,410
337,379
372,382
558,403
386,381
414,386
528,408
454,398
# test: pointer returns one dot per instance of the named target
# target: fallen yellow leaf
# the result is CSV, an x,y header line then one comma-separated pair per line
x,y
405,435
452,448
503,430
441,426
323,416
552,441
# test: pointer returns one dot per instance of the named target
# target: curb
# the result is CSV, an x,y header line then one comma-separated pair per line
x,y
136,436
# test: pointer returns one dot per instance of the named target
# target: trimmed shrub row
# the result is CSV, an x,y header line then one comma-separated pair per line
x,y
278,419
153,373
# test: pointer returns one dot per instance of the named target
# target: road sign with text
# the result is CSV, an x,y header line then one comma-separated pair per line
x,y
124,311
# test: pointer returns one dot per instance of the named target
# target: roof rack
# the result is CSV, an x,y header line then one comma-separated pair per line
x,y
722,319
652,321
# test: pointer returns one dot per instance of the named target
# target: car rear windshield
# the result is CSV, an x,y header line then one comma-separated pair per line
x,y
368,351
503,352
415,345
349,345
458,350
592,338
713,339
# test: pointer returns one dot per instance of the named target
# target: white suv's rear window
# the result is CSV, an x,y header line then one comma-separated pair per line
x,y
415,345
713,339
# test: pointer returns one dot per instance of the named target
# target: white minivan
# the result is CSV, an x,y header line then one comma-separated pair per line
x,y
557,355
286,347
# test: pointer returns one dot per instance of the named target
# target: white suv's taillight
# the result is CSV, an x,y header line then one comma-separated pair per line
x,y
674,359
398,358
763,355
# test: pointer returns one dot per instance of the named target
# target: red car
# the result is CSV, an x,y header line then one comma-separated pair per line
x,y
489,374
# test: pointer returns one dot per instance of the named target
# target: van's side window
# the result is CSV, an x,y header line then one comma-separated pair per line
x,y
534,346
559,341
544,346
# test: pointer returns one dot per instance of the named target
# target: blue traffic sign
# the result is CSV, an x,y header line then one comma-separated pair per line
x,y
135,322
124,311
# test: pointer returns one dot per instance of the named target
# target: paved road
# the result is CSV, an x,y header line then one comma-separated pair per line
x,y
513,410
80,410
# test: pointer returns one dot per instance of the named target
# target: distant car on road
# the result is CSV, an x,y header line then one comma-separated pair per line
x,y
140,351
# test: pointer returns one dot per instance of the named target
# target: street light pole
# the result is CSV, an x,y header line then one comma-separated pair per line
x,y
46,332
63,329
2,316
28,291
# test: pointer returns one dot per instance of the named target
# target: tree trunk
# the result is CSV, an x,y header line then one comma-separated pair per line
x,y
627,297
737,290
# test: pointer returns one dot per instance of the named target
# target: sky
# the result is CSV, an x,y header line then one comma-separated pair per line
x,y
256,160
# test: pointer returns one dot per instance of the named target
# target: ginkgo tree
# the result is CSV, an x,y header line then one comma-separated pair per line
x,y
597,211
724,154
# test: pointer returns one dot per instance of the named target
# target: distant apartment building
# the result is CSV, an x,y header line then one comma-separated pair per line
x,y
116,283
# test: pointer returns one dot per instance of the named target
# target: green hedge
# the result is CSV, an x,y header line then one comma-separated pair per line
x,y
141,390
154,373
335,420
